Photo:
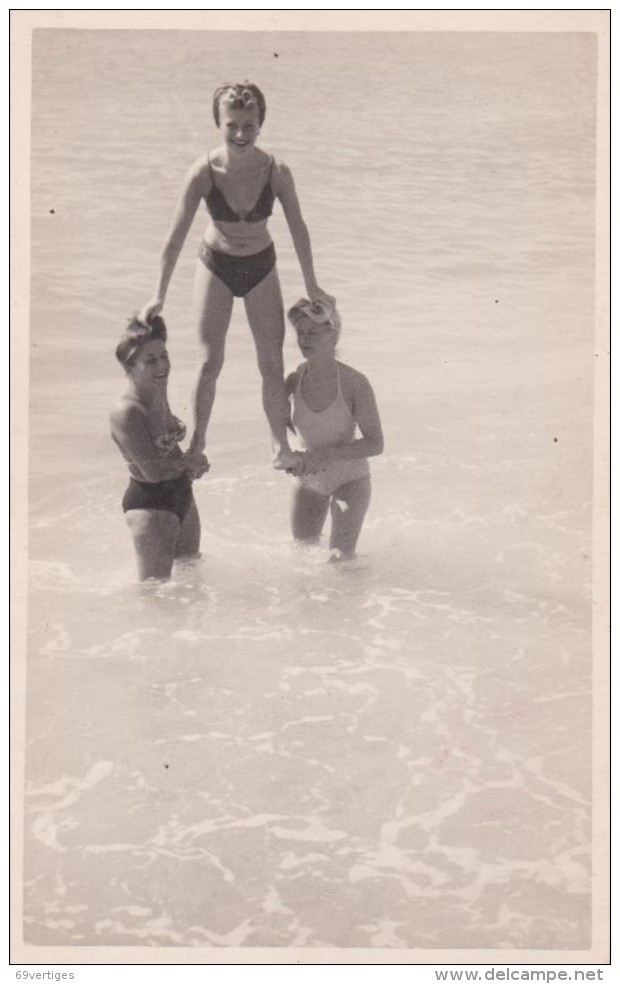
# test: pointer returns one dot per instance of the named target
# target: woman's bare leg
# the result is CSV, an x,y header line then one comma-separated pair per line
x,y
308,513
155,533
213,303
188,542
349,505
265,313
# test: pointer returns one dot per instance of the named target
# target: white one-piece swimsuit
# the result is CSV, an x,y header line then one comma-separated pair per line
x,y
323,429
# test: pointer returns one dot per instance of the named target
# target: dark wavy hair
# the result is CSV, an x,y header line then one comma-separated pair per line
x,y
137,334
239,95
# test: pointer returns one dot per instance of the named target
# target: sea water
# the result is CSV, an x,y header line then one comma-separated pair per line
x,y
269,750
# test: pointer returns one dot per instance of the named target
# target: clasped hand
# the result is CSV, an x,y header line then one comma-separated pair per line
x,y
196,464
308,463
318,294
149,310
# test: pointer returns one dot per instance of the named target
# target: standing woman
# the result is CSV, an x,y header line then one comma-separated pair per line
x,y
239,183
158,504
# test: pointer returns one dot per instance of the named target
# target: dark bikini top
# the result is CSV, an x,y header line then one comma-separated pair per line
x,y
220,210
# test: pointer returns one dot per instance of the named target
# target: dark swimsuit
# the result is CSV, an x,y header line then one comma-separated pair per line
x,y
173,495
239,273
220,210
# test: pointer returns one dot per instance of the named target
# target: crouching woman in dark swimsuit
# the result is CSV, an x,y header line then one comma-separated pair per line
x,y
158,503
239,184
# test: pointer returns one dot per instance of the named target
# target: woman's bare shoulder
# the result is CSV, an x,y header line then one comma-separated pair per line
x,y
281,174
356,387
196,182
125,412
278,164
200,167
353,377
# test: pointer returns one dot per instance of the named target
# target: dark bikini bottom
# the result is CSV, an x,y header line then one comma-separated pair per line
x,y
173,495
239,273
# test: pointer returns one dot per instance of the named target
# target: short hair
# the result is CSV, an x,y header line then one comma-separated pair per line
x,y
138,333
317,311
239,95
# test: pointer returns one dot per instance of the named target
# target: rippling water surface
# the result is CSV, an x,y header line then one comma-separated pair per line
x,y
270,751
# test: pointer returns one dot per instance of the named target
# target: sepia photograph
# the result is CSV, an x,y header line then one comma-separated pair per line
x,y
310,349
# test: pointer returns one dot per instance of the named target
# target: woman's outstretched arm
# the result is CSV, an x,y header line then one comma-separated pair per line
x,y
184,213
284,187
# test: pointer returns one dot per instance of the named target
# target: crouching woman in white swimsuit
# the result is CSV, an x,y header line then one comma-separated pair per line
x,y
329,401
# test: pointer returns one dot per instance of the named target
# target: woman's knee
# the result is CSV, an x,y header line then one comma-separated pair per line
x,y
213,322
271,365
212,362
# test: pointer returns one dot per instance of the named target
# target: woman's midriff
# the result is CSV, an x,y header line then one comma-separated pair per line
x,y
238,238
136,472
134,469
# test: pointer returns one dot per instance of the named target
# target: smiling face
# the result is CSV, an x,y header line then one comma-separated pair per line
x,y
151,365
239,128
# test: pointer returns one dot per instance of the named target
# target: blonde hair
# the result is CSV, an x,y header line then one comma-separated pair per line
x,y
316,311
239,95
